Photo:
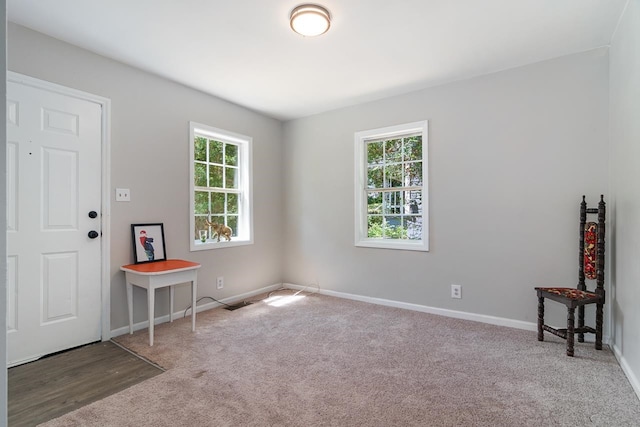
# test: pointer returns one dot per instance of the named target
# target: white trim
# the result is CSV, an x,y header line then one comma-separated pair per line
x,y
178,314
360,221
245,146
635,382
482,318
105,104
3,222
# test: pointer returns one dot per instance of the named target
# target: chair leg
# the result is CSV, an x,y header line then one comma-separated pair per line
x,y
598,326
570,330
581,323
540,318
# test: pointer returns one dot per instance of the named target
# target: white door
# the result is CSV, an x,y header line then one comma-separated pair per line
x,y
53,183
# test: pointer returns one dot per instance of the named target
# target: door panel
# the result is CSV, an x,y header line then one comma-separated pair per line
x,y
59,286
54,148
12,185
12,294
60,182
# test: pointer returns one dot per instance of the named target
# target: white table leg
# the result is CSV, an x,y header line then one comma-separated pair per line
x,y
194,292
171,293
130,305
151,293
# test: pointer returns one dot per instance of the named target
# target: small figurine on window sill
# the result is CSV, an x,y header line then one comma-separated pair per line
x,y
219,230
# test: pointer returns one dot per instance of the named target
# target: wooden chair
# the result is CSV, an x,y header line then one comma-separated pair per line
x,y
591,266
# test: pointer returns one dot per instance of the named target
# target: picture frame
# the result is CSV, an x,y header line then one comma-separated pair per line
x,y
148,242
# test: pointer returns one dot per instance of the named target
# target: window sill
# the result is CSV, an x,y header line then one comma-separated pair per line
x,y
403,245
198,246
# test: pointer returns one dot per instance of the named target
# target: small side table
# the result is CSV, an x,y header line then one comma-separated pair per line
x,y
154,275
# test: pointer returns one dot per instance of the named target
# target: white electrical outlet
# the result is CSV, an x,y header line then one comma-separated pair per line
x,y
123,195
456,291
220,282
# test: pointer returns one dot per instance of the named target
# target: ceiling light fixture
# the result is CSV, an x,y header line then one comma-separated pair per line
x,y
310,20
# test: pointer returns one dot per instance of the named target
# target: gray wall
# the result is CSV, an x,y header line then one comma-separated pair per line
x,y
149,126
510,155
625,180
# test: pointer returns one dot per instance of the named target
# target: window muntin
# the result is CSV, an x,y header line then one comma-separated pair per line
x,y
220,186
391,197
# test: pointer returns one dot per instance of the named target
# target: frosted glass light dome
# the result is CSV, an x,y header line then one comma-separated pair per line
x,y
310,20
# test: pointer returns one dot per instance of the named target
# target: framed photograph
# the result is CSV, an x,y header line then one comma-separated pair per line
x,y
148,242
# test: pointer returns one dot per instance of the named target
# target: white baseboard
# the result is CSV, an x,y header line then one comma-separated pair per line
x,y
178,314
635,382
483,318
500,321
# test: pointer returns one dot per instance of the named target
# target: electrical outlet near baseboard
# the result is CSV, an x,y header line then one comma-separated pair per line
x,y
220,282
456,291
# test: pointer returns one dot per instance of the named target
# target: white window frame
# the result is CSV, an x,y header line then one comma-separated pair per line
x,y
245,186
361,138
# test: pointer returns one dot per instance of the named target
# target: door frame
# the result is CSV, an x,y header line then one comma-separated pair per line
x,y
105,218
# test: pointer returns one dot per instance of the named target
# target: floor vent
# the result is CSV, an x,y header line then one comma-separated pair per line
x,y
237,306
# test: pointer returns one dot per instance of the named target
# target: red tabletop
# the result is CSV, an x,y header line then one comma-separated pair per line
x,y
159,267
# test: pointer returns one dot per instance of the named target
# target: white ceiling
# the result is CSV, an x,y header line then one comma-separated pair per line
x,y
244,51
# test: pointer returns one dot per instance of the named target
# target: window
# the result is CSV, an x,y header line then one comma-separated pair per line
x,y
391,188
220,188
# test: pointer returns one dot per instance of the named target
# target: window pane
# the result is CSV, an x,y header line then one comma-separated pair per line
x,y
215,176
393,202
374,152
201,226
374,203
232,203
413,173
232,222
217,219
231,178
393,228
413,225
393,148
201,202
231,155
217,203
413,148
374,177
393,176
413,202
200,175
374,227
200,149
215,151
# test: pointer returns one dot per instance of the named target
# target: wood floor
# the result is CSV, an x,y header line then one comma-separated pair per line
x,y
50,387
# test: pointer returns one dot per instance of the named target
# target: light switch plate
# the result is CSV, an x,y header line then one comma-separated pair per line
x,y
123,195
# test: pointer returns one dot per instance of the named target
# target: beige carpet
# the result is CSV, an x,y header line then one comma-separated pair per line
x,y
323,361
